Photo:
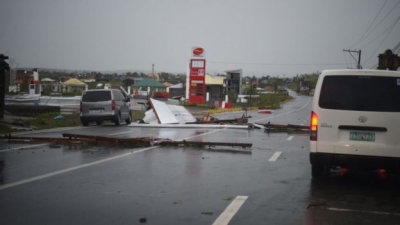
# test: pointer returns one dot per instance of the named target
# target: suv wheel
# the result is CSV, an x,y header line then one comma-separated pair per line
x,y
117,120
129,119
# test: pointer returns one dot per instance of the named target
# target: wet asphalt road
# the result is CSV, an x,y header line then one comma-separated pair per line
x,y
59,184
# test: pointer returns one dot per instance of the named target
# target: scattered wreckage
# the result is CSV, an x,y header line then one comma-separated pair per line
x,y
75,139
161,115
269,127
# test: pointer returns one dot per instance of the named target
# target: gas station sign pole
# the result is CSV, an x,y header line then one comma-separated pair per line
x,y
197,74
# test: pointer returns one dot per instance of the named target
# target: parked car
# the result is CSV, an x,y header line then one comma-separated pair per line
x,y
355,121
100,105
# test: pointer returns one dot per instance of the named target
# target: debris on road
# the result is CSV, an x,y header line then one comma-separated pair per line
x,y
161,115
130,142
286,128
264,111
210,119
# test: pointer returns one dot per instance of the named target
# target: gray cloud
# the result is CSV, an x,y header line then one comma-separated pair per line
x,y
260,36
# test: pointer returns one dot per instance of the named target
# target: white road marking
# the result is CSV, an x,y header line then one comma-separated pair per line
x,y
362,211
275,156
28,180
289,138
230,211
23,147
269,117
70,169
125,132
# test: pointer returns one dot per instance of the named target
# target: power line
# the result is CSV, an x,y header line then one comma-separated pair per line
x,y
392,26
387,29
373,21
345,59
382,20
396,48
359,56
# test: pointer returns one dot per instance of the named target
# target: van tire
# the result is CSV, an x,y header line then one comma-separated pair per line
x,y
317,171
117,120
99,122
129,119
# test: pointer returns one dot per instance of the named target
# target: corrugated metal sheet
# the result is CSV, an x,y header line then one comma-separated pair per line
x,y
167,114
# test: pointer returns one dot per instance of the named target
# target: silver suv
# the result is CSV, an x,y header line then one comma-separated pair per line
x,y
104,104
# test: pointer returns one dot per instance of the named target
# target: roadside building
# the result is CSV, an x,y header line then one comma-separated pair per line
x,y
234,81
215,88
176,91
147,87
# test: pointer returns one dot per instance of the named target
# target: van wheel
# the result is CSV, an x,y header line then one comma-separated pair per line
x,y
129,119
117,120
317,171
99,122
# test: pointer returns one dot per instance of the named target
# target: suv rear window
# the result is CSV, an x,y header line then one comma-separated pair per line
x,y
361,93
96,96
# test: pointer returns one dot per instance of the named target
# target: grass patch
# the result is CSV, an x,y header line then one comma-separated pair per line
x,y
47,121
4,129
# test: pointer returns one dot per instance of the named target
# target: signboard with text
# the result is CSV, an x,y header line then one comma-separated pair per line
x,y
197,68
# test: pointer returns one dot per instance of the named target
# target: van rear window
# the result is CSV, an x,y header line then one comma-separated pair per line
x,y
96,96
361,93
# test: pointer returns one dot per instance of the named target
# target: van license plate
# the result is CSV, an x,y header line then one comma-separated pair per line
x,y
95,111
362,136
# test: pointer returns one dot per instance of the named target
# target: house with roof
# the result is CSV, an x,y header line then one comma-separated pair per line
x,y
147,87
70,86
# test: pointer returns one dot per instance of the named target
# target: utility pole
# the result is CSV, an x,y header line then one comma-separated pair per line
x,y
3,68
359,56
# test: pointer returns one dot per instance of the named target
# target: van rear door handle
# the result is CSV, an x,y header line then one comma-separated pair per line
x,y
349,127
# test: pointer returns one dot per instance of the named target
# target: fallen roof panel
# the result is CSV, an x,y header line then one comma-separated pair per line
x,y
162,113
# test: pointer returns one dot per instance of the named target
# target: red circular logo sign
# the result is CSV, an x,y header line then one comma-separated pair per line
x,y
198,51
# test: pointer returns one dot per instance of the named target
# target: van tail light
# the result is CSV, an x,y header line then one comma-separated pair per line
x,y
113,107
313,126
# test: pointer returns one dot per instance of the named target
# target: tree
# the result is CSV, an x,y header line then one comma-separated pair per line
x,y
232,96
250,90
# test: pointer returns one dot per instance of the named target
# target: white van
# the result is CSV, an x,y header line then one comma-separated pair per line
x,y
355,121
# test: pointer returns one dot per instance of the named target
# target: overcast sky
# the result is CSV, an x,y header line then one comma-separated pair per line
x,y
262,37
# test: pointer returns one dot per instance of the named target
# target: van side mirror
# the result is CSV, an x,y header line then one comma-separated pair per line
x,y
127,99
